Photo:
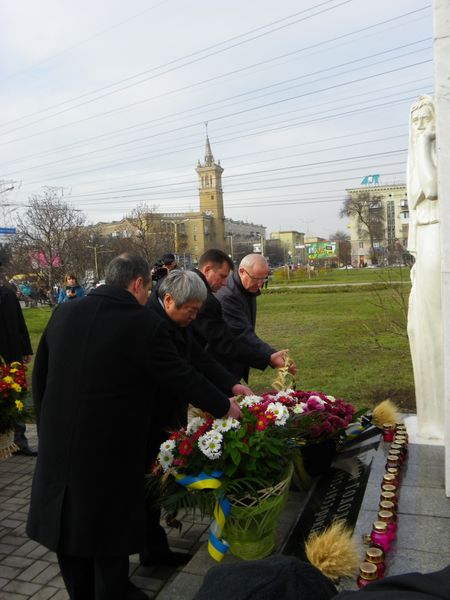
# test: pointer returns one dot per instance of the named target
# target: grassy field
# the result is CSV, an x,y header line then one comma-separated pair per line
x,y
340,276
337,337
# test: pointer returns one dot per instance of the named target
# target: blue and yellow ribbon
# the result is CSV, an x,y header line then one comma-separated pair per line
x,y
217,547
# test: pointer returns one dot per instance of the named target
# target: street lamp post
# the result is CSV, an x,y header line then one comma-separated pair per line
x,y
230,236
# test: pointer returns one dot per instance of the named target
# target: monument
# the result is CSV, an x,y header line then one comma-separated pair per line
x,y
425,304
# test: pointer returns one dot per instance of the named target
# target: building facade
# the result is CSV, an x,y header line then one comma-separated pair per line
x,y
293,245
391,238
191,233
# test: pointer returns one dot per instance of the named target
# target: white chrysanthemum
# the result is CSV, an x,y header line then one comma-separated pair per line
x,y
331,398
281,412
211,444
317,399
283,394
194,424
223,425
299,408
168,445
250,400
165,459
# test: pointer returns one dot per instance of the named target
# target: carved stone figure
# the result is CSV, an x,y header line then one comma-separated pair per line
x,y
425,311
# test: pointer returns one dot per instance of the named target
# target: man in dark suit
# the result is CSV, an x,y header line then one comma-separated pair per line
x,y
14,345
177,301
98,370
238,301
210,328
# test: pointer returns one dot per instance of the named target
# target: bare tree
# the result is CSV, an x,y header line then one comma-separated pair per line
x,y
368,211
345,252
50,237
152,237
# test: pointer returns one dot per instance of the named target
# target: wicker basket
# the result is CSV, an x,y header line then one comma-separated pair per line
x,y
7,445
250,528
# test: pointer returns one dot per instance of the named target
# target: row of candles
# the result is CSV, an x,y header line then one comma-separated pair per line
x,y
384,530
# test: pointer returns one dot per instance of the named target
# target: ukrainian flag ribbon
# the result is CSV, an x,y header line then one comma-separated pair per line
x,y
217,547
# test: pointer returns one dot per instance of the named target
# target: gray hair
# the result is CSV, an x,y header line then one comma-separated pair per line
x,y
183,286
251,260
125,268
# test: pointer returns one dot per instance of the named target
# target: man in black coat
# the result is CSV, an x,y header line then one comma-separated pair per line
x,y
177,301
238,301
99,368
210,328
14,345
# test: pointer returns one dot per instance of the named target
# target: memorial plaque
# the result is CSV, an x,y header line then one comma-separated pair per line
x,y
337,494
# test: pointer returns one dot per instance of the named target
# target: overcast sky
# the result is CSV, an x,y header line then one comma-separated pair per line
x,y
108,99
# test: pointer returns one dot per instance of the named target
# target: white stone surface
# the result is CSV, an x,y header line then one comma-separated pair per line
x,y
425,308
413,434
441,24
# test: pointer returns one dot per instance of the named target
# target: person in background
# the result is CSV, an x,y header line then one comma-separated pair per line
x,y
15,345
238,300
70,290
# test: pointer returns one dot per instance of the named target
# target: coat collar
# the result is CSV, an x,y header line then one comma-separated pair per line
x,y
234,277
114,293
203,278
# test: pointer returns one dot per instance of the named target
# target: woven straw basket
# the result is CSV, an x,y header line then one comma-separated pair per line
x,y
7,445
251,527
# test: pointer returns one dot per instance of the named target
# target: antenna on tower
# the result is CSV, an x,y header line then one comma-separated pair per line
x,y
206,127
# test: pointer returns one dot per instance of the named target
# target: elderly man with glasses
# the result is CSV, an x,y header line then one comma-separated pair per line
x,y
238,300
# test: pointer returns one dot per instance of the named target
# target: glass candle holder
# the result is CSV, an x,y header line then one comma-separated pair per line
x,y
387,517
394,471
367,573
388,432
390,487
391,497
388,505
376,557
380,536
392,461
389,478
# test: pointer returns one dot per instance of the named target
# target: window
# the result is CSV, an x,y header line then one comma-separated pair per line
x,y
361,245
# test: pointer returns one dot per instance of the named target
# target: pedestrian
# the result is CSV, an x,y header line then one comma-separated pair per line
x,y
70,290
238,300
15,345
103,365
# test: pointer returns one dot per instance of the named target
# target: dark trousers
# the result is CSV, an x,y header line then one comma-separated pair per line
x,y
95,578
20,439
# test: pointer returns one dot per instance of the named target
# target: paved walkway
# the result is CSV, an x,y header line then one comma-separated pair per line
x,y
30,572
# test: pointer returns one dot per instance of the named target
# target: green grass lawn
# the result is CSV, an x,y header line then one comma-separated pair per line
x,y
340,344
341,276
337,337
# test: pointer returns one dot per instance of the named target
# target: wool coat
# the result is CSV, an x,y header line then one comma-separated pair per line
x,y
190,350
216,337
14,339
103,365
239,312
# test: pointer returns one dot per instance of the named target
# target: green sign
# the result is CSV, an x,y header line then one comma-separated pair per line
x,y
318,250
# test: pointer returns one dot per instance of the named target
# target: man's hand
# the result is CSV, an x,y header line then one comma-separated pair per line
x,y
277,359
241,390
235,411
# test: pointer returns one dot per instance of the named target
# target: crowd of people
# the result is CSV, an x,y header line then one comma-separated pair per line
x,y
115,370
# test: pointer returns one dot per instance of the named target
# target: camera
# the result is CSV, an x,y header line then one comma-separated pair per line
x,y
159,271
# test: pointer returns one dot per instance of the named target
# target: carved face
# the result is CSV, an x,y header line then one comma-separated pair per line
x,y
422,119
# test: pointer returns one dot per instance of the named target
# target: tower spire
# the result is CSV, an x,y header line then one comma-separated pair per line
x,y
209,158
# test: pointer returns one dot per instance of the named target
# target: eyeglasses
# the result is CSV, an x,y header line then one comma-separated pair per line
x,y
260,279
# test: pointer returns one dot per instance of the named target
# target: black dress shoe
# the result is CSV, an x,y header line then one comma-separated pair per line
x,y
165,559
26,452
134,593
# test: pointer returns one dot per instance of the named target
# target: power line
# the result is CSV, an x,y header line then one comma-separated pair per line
x,y
177,60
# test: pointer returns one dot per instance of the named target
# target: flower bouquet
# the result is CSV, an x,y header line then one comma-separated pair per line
x,y
237,470
316,448
13,386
